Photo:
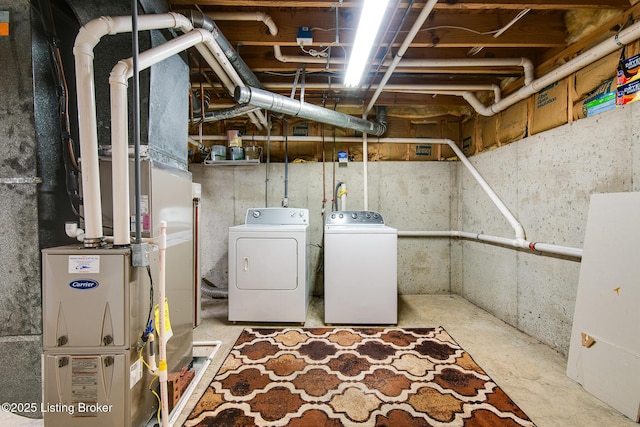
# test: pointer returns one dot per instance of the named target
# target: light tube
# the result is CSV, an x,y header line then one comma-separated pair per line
x,y
370,20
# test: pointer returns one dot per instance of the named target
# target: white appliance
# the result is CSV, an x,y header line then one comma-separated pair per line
x,y
269,266
360,269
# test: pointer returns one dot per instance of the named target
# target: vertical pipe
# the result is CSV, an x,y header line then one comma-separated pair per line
x,y
162,342
285,201
196,260
118,82
136,118
365,170
88,37
268,163
424,14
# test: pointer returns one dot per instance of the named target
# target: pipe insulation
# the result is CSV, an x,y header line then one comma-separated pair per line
x,y
597,52
281,104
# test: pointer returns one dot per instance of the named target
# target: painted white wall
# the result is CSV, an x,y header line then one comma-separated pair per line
x,y
546,180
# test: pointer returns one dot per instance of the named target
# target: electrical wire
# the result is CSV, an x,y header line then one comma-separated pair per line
x,y
155,377
71,165
149,325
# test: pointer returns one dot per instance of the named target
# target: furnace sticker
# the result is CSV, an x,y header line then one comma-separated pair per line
x,y
81,264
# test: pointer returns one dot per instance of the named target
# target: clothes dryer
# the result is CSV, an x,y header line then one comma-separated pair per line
x,y
269,266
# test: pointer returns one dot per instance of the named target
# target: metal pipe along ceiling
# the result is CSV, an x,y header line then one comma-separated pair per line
x,y
281,104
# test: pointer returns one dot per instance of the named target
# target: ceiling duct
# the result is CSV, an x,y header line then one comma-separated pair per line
x,y
202,21
281,104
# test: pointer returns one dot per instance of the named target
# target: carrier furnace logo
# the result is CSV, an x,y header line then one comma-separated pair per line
x,y
84,284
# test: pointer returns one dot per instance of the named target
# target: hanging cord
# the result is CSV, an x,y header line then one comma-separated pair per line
x,y
69,147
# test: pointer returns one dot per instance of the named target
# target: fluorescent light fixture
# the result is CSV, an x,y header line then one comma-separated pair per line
x,y
370,19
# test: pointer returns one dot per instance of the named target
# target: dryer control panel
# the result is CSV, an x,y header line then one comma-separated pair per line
x,y
354,218
277,216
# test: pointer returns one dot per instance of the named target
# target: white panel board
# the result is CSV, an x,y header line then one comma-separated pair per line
x,y
607,304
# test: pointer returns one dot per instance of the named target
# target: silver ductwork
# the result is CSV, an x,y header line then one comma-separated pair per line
x,y
229,113
281,104
200,20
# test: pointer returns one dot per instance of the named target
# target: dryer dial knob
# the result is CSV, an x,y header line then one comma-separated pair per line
x,y
354,215
256,214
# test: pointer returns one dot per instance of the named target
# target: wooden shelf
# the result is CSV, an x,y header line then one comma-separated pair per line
x,y
232,162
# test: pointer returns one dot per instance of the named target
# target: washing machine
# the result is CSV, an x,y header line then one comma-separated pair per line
x,y
269,266
360,269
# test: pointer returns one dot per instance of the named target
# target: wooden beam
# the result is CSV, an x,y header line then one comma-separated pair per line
x,y
596,36
441,30
468,4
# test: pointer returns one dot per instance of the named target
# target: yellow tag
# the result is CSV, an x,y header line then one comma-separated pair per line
x,y
168,333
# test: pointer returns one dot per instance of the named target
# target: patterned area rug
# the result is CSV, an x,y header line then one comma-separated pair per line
x,y
321,377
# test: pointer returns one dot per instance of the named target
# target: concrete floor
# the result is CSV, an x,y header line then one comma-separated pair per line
x,y
531,373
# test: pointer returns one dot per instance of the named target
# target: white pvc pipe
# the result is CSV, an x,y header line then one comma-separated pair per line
x,y
534,246
236,80
445,89
599,51
519,240
525,63
162,343
343,197
417,25
118,78
86,40
365,168
415,28
246,16
519,230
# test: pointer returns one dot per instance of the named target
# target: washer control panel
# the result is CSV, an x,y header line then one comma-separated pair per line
x,y
354,218
277,216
